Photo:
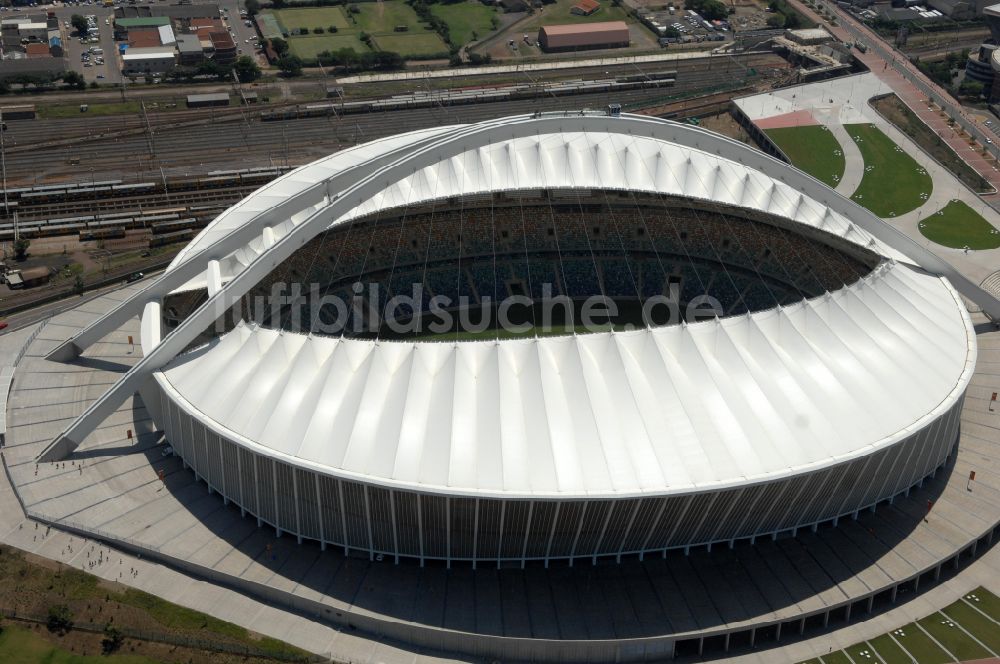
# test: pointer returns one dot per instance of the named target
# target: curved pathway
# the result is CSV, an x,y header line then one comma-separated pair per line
x,y
854,163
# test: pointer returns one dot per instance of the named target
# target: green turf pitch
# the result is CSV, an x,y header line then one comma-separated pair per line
x,y
893,183
312,17
464,19
413,45
309,47
813,149
958,226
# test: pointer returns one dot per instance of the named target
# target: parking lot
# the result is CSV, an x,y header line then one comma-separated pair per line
x,y
109,72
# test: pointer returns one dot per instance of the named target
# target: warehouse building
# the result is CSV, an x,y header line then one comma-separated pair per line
x,y
609,34
212,99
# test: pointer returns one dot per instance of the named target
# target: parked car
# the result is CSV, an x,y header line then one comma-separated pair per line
x,y
135,276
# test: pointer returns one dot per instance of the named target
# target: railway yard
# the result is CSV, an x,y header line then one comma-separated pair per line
x,y
101,195
191,143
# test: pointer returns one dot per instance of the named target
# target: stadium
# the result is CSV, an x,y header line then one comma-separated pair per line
x,y
828,376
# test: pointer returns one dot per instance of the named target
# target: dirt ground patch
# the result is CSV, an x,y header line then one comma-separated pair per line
x,y
32,586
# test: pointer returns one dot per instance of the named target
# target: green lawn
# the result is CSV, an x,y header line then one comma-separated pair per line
x,y
976,623
812,149
73,110
466,19
312,17
559,12
836,657
951,627
888,650
309,47
986,602
22,646
893,183
947,633
921,646
383,17
413,45
957,225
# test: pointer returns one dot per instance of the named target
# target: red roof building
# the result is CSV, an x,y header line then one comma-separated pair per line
x,y
585,7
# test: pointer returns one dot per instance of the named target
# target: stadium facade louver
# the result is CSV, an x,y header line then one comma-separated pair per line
x,y
832,381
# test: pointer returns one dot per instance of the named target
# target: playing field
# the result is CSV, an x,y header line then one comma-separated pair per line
x,y
413,45
309,47
956,225
312,17
383,17
968,629
467,21
559,12
813,149
893,183
379,19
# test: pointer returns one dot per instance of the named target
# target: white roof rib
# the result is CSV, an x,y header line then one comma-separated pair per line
x,y
652,411
566,160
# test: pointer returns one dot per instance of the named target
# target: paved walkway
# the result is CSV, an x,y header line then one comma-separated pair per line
x,y
111,486
844,101
854,163
897,72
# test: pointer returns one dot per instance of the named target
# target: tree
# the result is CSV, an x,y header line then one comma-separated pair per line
x,y
21,248
246,69
75,80
252,7
290,65
776,21
78,285
80,24
113,639
279,45
60,619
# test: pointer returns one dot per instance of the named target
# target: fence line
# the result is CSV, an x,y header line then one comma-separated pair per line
x,y
170,639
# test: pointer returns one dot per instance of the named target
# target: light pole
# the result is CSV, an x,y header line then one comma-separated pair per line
x,y
3,160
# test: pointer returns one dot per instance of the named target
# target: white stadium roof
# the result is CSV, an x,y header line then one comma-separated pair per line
x,y
578,160
653,411
657,410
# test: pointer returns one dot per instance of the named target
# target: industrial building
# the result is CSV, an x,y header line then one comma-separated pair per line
x,y
153,60
583,36
209,99
983,65
194,32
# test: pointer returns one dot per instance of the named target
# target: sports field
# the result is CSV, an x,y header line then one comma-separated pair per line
x,y
956,225
893,183
383,17
813,149
466,20
378,19
413,45
312,17
968,629
308,47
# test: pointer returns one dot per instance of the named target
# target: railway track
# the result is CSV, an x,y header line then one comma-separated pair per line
x,y
192,148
